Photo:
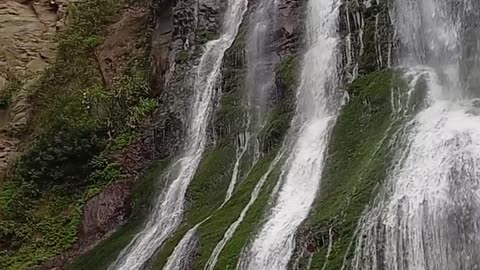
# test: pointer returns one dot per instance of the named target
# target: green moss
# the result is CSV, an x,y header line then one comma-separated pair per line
x,y
287,72
231,253
357,160
212,231
281,115
210,183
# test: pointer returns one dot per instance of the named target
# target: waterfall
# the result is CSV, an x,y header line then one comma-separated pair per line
x,y
259,81
428,215
212,261
179,257
318,100
167,213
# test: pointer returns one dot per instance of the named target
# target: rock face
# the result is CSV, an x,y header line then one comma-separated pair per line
x,y
368,37
27,47
104,212
123,40
289,27
176,46
28,30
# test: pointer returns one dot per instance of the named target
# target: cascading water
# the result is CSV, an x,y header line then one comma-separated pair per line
x,y
259,81
317,105
179,257
167,214
428,216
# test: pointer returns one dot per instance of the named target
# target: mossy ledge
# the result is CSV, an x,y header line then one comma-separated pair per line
x,y
358,157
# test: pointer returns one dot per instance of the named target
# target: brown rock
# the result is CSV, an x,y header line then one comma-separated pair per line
x,y
122,42
104,212
3,83
27,28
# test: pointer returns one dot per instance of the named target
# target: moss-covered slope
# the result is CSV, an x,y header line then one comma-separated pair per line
x,y
358,157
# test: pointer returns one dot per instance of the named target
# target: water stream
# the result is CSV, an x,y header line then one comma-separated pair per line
x,y
428,216
317,105
259,82
167,213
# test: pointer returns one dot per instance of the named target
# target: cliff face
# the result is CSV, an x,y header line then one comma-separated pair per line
x,y
57,67
28,37
28,45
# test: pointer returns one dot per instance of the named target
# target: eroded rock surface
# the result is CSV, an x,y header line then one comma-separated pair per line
x,y
124,39
102,213
28,31
27,47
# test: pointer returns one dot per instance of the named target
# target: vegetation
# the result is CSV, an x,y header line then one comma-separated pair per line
x,y
207,190
78,124
281,116
358,158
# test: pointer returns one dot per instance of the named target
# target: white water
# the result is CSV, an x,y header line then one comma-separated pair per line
x,y
428,218
316,109
179,257
212,261
242,149
167,214
259,80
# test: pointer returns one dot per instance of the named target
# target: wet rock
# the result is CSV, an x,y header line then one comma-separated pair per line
x,y
289,27
177,42
367,34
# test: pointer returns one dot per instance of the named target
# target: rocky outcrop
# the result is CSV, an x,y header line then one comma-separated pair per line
x,y
27,47
104,212
124,40
28,31
289,27
176,47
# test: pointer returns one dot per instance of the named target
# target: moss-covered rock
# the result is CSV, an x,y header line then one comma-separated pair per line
x,y
358,157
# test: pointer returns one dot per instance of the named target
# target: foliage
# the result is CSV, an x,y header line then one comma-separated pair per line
x,y
78,124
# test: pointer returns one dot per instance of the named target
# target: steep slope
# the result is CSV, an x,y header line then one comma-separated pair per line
x,y
70,137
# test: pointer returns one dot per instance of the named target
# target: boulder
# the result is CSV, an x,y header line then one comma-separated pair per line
x,y
104,212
